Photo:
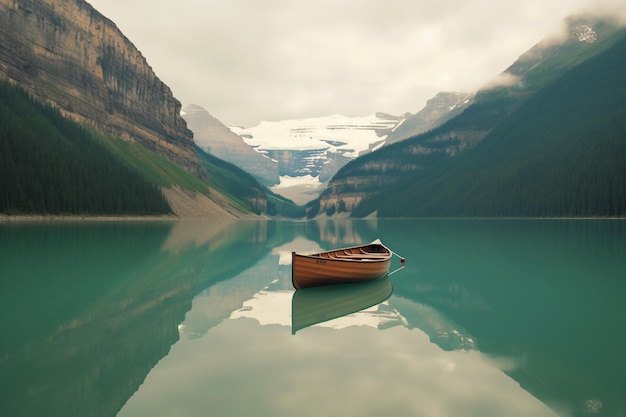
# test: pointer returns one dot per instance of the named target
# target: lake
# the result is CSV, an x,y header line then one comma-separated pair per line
x,y
193,318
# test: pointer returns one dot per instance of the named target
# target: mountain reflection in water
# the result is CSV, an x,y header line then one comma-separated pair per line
x,y
488,318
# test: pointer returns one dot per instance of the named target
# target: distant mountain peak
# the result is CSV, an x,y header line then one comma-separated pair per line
x,y
309,151
215,138
349,136
439,109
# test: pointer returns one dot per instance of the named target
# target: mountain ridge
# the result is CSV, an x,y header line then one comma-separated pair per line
x,y
310,151
423,159
67,55
359,183
438,110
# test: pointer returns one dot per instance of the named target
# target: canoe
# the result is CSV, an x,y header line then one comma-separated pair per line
x,y
310,306
341,266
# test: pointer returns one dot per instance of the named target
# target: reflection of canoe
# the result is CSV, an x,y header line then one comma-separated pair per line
x,y
310,306
341,266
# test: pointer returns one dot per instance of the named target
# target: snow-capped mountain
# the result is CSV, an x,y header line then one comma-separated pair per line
x,y
310,151
348,136
299,156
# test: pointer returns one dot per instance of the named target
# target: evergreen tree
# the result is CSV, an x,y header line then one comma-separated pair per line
x,y
50,165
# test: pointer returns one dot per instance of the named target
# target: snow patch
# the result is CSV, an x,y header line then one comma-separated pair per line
x,y
336,134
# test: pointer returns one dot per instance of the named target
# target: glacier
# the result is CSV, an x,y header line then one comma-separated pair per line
x,y
310,151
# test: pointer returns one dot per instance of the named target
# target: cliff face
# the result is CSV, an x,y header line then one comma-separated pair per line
x,y
68,54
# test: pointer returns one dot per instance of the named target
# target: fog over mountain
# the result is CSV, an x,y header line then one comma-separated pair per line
x,y
246,61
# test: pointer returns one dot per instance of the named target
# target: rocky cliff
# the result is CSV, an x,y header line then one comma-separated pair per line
x,y
211,135
66,53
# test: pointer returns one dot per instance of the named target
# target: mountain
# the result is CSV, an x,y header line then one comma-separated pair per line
x,y
438,110
51,165
213,137
308,152
317,141
242,187
97,132
66,53
446,172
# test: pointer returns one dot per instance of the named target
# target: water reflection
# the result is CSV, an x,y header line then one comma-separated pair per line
x,y
488,318
352,372
350,366
317,305
440,329
88,309
542,298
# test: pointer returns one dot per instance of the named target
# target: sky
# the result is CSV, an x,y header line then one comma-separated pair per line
x,y
249,60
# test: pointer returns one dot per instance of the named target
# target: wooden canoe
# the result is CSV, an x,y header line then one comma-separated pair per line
x,y
341,266
311,306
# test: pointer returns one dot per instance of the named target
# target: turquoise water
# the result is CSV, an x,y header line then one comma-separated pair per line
x,y
488,318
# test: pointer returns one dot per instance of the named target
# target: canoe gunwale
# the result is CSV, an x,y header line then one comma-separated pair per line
x,y
339,266
346,258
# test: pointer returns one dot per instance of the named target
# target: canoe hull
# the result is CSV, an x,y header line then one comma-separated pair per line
x,y
322,269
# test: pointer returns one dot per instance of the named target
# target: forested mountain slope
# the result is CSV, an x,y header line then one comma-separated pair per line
x,y
127,150
563,153
520,149
239,185
51,165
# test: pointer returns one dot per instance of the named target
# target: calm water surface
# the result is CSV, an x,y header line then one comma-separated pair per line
x,y
192,318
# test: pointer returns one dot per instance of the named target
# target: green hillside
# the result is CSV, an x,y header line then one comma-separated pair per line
x,y
420,176
50,165
562,153
53,166
242,187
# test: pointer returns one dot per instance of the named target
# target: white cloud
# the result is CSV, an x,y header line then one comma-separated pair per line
x,y
502,80
246,61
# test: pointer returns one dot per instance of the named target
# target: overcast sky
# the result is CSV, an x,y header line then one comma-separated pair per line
x,y
251,60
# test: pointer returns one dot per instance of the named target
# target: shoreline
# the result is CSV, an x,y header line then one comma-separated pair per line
x,y
5,218
44,218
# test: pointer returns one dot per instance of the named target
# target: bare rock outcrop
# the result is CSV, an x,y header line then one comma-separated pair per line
x,y
69,55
